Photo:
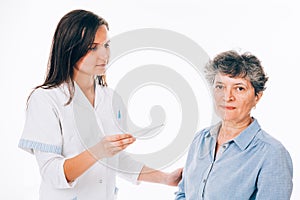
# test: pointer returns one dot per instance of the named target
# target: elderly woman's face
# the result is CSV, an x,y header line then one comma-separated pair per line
x,y
234,98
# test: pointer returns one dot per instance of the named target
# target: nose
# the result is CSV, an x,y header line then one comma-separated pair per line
x,y
105,57
228,95
103,53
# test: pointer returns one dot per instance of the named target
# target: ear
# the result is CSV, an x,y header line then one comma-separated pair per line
x,y
258,97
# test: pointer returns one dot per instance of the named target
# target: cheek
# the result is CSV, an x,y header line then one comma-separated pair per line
x,y
85,62
248,104
89,60
217,98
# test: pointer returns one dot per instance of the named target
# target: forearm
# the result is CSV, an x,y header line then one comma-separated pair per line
x,y
76,166
156,176
107,147
56,170
151,175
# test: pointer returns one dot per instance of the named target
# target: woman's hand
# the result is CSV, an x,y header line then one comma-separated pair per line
x,y
173,178
111,145
155,176
107,147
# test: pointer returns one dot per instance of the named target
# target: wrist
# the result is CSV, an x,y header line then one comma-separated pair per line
x,y
94,153
165,178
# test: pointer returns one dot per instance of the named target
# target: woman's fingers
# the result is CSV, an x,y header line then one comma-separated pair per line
x,y
122,143
118,137
111,145
119,142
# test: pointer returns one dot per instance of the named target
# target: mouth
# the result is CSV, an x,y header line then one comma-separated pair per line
x,y
101,65
228,107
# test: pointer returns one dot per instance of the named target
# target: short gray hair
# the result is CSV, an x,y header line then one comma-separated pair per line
x,y
233,64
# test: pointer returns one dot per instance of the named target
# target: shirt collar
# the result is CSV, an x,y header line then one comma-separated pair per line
x,y
243,139
246,136
80,98
213,131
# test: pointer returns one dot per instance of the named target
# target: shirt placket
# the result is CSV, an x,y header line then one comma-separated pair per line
x,y
211,146
211,143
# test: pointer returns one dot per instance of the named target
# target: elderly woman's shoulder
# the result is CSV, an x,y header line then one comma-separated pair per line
x,y
207,131
269,141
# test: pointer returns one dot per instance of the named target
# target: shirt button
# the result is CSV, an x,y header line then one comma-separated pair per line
x,y
100,181
204,180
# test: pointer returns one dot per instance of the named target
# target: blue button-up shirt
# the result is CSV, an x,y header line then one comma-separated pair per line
x,y
253,165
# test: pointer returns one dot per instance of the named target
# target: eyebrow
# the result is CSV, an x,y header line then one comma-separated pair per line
x,y
101,43
219,82
239,83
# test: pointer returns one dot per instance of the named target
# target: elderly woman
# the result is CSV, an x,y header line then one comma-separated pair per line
x,y
236,158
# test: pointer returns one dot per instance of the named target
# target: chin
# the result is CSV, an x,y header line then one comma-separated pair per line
x,y
226,117
100,73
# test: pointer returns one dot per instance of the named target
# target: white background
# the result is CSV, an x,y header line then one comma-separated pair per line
x,y
268,29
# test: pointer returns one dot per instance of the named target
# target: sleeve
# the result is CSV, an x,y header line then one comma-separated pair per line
x,y
275,178
42,137
129,168
180,194
42,130
51,167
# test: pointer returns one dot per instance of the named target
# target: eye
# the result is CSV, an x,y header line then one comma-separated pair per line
x,y
240,89
219,87
107,45
93,47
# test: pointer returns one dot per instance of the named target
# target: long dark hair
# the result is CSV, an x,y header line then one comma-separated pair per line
x,y
72,39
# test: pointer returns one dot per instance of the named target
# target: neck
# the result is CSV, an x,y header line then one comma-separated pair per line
x,y
86,84
84,81
230,130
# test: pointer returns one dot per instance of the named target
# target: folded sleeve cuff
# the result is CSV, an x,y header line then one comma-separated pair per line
x,y
31,146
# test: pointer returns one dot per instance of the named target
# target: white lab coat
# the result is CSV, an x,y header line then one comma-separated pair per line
x,y
54,132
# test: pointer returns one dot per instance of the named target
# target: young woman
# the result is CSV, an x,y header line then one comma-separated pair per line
x,y
70,123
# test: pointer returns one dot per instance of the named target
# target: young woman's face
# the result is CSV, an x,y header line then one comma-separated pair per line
x,y
234,98
94,62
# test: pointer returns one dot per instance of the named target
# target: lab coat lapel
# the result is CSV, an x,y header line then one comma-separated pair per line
x,y
87,126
